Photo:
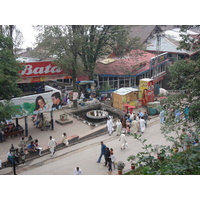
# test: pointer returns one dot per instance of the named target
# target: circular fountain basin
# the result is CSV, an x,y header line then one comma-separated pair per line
x,y
97,114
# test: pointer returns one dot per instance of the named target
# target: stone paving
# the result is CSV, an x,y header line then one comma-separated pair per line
x,y
76,128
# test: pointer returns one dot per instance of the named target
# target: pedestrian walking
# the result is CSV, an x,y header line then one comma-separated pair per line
x,y
113,160
103,152
142,125
109,125
134,126
109,164
118,127
162,116
107,155
123,141
140,113
146,117
128,128
51,145
177,115
78,171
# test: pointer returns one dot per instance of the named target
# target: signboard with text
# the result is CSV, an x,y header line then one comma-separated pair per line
x,y
160,58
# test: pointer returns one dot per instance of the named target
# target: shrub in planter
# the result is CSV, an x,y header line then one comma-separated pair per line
x,y
131,159
120,166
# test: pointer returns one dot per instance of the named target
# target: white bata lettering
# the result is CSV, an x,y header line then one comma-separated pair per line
x,y
47,69
53,69
27,70
40,70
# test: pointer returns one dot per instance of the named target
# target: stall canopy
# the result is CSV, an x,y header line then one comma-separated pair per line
x,y
85,82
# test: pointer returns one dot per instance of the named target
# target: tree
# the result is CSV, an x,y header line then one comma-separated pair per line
x,y
99,41
8,110
9,70
188,41
14,34
9,74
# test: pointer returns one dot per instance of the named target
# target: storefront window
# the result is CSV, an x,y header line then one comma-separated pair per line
x,y
127,83
121,82
115,85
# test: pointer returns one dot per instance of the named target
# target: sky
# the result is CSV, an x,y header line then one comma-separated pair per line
x,y
87,13
29,35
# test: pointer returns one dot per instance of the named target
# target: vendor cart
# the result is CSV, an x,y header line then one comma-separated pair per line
x,y
153,108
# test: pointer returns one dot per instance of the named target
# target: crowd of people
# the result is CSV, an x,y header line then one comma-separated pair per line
x,y
130,123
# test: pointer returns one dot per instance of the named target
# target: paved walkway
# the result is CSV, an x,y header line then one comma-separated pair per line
x,y
76,128
85,155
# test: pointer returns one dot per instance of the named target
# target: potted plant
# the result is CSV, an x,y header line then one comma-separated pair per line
x,y
131,159
120,166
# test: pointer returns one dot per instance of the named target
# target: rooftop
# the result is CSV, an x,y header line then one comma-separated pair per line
x,y
133,63
170,42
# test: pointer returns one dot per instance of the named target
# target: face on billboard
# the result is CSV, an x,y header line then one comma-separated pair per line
x,y
39,103
55,100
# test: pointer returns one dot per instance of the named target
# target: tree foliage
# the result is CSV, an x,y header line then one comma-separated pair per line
x,y
14,34
189,42
84,45
9,70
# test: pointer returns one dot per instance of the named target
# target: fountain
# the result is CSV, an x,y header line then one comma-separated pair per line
x,y
97,114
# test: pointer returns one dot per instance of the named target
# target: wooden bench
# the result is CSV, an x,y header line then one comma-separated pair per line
x,y
11,129
20,132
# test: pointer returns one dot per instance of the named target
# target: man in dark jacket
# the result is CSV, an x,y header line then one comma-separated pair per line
x,y
107,156
103,152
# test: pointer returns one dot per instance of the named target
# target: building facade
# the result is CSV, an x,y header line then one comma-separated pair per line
x,y
116,72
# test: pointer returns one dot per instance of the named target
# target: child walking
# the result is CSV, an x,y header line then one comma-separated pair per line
x,y
128,129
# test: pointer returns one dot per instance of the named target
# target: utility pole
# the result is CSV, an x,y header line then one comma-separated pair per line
x,y
158,32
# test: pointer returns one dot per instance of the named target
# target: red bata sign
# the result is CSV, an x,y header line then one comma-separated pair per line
x,y
40,69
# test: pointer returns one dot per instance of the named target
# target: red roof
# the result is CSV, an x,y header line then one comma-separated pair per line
x,y
133,63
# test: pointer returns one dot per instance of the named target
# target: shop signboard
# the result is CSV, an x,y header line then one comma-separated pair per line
x,y
36,69
160,58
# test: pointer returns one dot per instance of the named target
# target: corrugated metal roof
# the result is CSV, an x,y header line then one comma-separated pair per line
x,y
167,45
145,32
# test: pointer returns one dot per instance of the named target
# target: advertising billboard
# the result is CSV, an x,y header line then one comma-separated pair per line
x,y
147,90
39,103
